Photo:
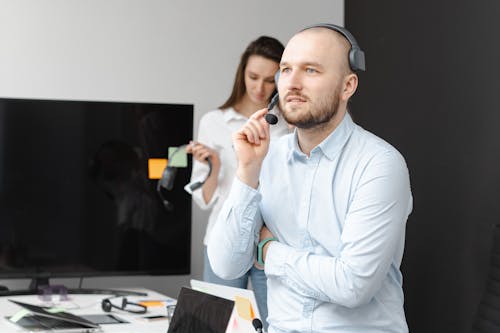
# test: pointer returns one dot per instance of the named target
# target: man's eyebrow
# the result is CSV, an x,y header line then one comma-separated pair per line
x,y
312,64
303,64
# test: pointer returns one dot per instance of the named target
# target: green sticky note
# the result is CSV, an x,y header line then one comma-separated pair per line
x,y
20,314
55,310
177,157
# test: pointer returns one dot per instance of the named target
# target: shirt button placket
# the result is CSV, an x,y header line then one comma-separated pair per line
x,y
305,203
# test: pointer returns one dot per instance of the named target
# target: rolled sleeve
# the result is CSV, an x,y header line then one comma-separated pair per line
x,y
198,197
232,244
199,173
276,256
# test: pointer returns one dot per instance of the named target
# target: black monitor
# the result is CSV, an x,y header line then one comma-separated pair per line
x,y
76,197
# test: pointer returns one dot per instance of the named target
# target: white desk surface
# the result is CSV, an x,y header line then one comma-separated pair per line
x,y
91,304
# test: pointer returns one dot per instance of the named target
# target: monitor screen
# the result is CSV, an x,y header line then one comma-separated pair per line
x,y
76,197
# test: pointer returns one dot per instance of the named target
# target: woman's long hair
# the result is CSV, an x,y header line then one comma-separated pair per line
x,y
264,46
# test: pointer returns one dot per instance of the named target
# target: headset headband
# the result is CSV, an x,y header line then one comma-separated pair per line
x,y
356,55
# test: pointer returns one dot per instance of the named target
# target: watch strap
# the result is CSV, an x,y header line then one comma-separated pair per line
x,y
260,247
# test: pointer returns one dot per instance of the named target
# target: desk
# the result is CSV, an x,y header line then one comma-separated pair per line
x,y
91,304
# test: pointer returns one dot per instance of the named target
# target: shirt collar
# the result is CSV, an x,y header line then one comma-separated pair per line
x,y
329,146
231,114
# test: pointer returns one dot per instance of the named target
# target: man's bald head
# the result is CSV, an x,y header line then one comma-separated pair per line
x,y
338,41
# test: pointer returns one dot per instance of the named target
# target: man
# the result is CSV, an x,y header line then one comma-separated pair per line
x,y
334,198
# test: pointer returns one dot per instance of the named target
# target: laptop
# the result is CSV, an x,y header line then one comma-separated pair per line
x,y
226,292
198,312
41,319
245,309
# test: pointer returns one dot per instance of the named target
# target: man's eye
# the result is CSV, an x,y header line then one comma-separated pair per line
x,y
311,70
285,70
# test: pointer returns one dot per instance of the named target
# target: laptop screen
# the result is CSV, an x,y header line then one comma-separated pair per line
x,y
228,293
197,312
40,318
60,315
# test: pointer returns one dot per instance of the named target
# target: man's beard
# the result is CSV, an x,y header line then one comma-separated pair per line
x,y
318,114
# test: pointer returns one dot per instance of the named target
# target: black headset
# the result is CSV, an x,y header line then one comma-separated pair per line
x,y
356,63
199,184
167,180
107,306
356,55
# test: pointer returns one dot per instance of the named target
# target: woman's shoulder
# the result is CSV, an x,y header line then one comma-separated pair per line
x,y
216,113
213,116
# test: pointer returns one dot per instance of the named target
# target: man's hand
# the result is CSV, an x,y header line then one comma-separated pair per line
x,y
251,144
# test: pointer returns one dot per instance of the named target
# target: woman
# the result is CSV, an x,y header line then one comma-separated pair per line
x,y
252,90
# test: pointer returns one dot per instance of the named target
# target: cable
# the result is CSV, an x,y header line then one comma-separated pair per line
x,y
197,185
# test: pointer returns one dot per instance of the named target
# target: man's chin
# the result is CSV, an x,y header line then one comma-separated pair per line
x,y
302,122
293,115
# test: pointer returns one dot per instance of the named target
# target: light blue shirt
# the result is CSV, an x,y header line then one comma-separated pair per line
x,y
339,216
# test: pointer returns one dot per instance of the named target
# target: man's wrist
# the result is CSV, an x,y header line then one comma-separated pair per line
x,y
262,249
249,176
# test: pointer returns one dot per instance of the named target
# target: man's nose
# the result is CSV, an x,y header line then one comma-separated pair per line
x,y
292,81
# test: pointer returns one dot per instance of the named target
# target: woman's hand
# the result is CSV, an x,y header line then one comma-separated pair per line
x,y
201,152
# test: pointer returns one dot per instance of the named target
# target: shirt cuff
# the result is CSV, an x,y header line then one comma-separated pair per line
x,y
197,196
243,192
243,201
276,259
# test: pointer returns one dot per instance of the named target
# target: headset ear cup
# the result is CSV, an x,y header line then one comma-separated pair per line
x,y
106,305
357,59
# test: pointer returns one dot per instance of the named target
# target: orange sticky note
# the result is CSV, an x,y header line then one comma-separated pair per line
x,y
156,167
244,307
151,303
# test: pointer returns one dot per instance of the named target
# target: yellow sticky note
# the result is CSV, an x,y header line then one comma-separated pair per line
x,y
244,307
151,303
156,167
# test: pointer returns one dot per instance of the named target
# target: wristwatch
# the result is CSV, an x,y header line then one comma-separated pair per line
x,y
260,246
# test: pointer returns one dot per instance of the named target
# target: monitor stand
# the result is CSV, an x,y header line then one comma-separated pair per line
x,y
40,285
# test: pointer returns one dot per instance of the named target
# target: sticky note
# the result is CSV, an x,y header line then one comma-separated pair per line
x,y
156,167
152,303
177,157
244,307
15,318
55,310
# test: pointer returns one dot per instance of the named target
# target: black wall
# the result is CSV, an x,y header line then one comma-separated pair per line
x,y
432,89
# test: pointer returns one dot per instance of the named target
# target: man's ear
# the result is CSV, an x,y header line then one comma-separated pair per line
x,y
349,86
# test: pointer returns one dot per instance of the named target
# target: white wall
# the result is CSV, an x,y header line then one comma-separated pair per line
x,y
174,51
